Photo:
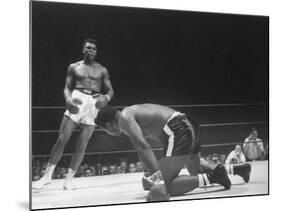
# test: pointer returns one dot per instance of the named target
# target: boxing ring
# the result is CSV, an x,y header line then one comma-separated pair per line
x,y
127,188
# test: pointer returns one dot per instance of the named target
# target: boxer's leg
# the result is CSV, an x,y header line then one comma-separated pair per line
x,y
170,168
178,185
183,184
66,128
82,142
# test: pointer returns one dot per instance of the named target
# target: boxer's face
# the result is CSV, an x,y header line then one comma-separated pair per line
x,y
89,51
113,128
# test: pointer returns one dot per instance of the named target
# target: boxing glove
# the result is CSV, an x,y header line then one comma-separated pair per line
x,y
101,101
158,193
71,105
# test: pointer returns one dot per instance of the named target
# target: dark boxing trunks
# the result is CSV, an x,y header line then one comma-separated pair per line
x,y
183,136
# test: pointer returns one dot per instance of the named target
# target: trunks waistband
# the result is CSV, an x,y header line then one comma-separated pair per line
x,y
87,91
192,126
166,127
176,113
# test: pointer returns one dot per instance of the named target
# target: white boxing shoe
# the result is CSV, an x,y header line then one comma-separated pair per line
x,y
68,185
45,180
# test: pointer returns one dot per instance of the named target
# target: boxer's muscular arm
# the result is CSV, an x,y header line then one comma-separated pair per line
x,y
130,127
107,84
69,83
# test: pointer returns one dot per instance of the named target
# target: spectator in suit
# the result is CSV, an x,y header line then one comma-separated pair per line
x,y
253,146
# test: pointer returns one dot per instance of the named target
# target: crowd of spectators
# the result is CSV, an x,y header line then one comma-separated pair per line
x,y
87,170
252,149
39,166
214,158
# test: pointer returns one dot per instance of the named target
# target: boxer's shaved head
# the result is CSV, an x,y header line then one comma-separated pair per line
x,y
105,115
89,41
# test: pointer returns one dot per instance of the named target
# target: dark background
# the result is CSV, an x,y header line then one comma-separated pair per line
x,y
157,56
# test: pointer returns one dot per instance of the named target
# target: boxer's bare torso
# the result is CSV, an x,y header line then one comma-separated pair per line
x,y
151,118
88,76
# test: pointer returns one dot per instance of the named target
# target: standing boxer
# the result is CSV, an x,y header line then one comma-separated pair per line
x,y
84,82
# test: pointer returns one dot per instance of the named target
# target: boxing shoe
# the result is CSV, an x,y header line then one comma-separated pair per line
x,y
243,171
45,180
219,176
68,185
158,193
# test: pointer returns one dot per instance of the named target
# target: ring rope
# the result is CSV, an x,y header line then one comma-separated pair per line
x,y
201,125
160,148
174,106
154,149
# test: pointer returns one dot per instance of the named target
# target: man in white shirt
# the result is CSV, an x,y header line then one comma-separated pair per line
x,y
236,156
236,159
253,146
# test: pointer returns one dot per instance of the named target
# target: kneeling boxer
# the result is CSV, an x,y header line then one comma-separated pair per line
x,y
180,139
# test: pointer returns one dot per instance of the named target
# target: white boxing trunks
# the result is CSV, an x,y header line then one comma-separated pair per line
x,y
87,110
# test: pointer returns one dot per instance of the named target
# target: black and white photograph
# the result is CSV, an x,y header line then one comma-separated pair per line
x,y
143,105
